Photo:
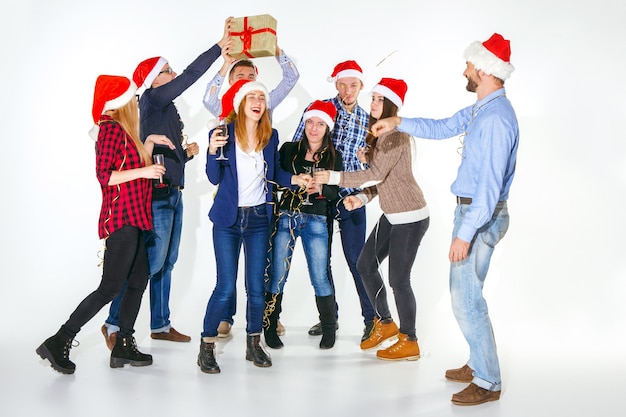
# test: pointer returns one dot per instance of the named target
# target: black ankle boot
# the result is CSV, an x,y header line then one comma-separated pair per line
x,y
57,350
328,320
125,351
272,310
206,358
255,352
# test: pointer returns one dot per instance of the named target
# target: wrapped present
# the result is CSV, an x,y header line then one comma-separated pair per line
x,y
253,36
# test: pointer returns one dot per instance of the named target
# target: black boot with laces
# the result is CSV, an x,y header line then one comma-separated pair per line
x,y
125,351
57,350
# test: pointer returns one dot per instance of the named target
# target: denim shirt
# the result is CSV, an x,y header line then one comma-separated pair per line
x,y
490,136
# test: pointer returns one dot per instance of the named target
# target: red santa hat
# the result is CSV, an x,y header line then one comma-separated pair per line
x,y
243,89
148,70
346,69
325,110
392,89
492,56
233,97
111,92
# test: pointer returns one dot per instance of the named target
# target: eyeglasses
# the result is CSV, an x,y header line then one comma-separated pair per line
x,y
167,71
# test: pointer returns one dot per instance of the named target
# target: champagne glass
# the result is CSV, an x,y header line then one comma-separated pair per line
x,y
159,160
320,196
306,201
222,132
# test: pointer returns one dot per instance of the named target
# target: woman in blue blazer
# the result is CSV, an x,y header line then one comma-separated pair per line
x,y
242,212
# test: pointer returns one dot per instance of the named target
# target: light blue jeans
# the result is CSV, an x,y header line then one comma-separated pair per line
x,y
313,229
162,245
468,304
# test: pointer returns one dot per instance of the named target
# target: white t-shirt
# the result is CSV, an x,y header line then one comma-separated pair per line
x,y
250,177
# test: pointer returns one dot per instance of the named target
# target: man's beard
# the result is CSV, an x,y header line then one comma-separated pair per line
x,y
471,85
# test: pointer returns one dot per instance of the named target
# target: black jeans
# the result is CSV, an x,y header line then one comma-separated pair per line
x,y
125,260
399,242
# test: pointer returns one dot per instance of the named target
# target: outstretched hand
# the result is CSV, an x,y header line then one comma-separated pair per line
x,y
385,125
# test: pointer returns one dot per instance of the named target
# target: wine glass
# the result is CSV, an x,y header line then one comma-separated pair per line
x,y
159,160
320,195
306,201
223,132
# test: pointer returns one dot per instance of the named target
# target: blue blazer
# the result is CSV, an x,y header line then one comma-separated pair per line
x,y
224,174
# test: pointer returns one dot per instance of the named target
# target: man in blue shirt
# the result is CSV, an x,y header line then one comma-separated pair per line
x,y
489,134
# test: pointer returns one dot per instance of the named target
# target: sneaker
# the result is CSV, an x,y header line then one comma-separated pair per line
x,y
108,338
403,349
380,333
474,395
223,330
462,374
280,329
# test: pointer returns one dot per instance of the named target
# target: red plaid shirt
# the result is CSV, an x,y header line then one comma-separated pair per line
x,y
129,203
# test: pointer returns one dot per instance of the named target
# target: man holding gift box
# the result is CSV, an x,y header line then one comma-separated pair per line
x,y
237,70
158,115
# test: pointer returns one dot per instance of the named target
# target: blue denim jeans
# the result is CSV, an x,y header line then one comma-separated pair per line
x,y
162,245
251,230
313,229
352,230
468,304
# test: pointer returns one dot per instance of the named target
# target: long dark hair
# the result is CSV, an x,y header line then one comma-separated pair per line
x,y
389,110
325,155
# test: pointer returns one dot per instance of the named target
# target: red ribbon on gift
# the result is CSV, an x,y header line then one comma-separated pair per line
x,y
246,36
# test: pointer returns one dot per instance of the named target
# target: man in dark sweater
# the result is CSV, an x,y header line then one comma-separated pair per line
x,y
158,115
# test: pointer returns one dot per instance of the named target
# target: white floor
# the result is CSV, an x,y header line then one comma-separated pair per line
x,y
303,381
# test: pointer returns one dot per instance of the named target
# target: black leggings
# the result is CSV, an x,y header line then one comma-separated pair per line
x,y
125,260
399,242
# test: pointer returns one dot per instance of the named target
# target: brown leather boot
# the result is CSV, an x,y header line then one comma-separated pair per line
x,y
462,374
474,395
403,349
383,330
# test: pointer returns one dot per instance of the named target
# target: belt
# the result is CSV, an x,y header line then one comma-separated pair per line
x,y
177,187
463,200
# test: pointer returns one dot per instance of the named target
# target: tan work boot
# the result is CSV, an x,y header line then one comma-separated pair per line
x,y
462,374
381,332
403,349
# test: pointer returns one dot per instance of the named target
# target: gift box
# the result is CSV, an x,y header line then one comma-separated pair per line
x,y
253,36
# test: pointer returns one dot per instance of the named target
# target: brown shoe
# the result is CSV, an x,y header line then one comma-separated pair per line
x,y
380,333
109,339
474,395
462,374
223,330
280,329
403,349
172,336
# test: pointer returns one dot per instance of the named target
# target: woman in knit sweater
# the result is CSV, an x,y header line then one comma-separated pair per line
x,y
399,230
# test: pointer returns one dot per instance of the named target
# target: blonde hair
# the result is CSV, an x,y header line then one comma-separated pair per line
x,y
263,131
128,117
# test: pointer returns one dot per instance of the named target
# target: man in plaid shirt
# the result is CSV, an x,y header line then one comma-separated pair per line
x,y
348,136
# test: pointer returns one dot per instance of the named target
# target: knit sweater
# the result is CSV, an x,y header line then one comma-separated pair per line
x,y
390,176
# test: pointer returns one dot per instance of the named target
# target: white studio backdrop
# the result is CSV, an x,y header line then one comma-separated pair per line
x,y
558,276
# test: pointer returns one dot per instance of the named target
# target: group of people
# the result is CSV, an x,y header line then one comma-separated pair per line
x,y
271,194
